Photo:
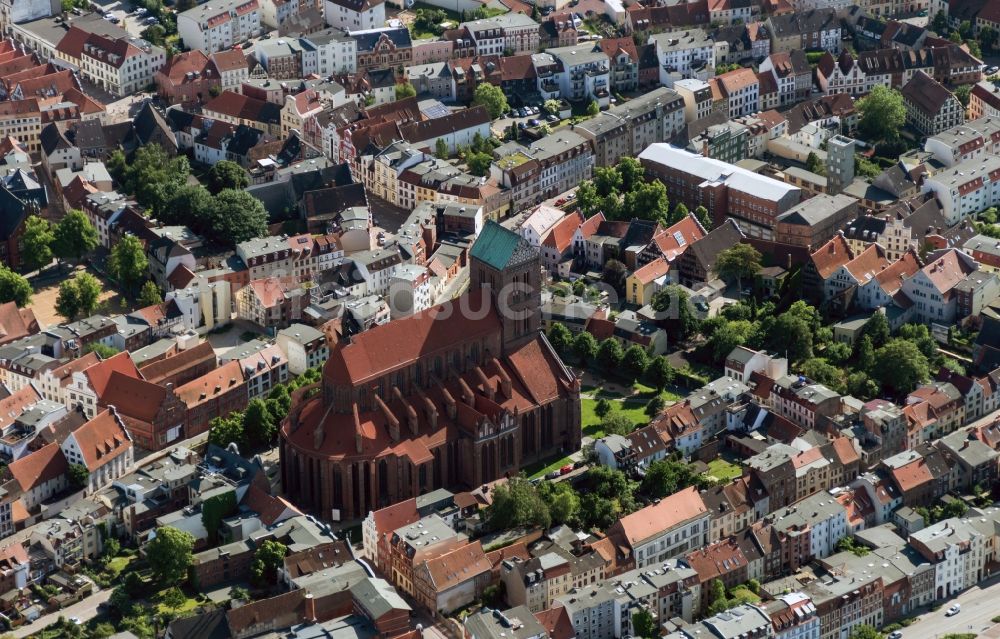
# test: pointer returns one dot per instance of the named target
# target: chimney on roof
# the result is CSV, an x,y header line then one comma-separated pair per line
x,y
310,607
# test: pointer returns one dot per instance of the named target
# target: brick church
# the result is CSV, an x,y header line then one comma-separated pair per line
x,y
455,396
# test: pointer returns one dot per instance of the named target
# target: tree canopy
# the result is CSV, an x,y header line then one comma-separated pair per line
x,y
492,98
169,555
36,243
238,216
882,114
227,174
14,288
128,263
74,236
266,561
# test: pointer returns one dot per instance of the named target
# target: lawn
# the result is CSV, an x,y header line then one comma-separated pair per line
x,y
118,564
540,469
723,470
633,409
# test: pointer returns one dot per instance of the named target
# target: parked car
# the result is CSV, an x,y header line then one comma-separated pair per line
x,y
534,122
560,201
553,475
113,20
552,118
954,610
991,70
895,634
567,469
151,21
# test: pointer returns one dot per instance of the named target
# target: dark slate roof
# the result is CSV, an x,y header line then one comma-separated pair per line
x,y
53,139
149,125
13,212
244,139
367,39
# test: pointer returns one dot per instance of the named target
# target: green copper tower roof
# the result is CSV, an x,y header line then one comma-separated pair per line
x,y
500,247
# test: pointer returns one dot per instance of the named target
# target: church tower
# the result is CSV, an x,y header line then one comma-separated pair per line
x,y
511,269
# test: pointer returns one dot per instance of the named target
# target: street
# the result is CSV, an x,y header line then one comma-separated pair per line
x,y
979,605
84,610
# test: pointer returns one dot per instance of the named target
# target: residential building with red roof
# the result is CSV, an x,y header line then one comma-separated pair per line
x,y
932,288
103,446
452,580
844,281
271,302
740,89
676,525
152,413
215,394
36,478
188,78
646,281
722,560
88,386
557,244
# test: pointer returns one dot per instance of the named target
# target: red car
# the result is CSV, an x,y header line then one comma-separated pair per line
x,y
568,468
560,201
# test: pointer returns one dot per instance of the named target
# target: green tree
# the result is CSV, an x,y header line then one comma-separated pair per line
x,y
517,503
654,406
492,98
169,555
602,407
479,163
78,474
173,598
563,502
940,23
634,361
614,275
68,300
728,336
191,205
268,557
588,199
822,371
882,114
238,217
103,350
74,236
673,301
864,631
150,294
615,423
738,262
153,175
258,424
716,592
405,90
703,217
900,365
584,344
36,243
792,334
667,476
111,549
609,354
593,108
643,624
239,593
607,495
632,171
988,37
227,174
553,107
962,92
659,373
560,337
128,263
226,430
647,201
441,149
608,180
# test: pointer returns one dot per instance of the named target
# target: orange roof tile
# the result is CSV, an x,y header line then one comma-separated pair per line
x,y
912,475
102,439
657,268
211,385
99,374
560,236
868,263
38,467
457,566
891,278
657,519
831,256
